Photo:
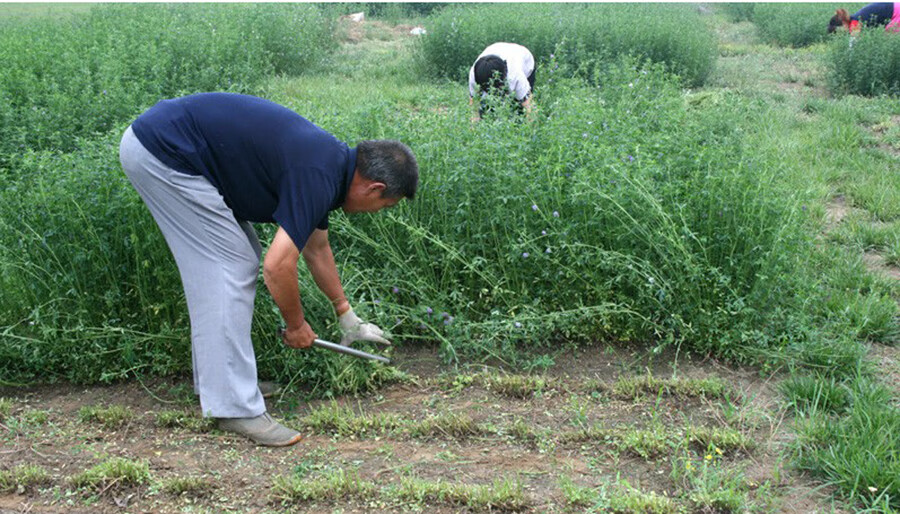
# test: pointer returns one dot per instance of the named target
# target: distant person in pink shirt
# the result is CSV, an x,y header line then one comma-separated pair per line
x,y
883,14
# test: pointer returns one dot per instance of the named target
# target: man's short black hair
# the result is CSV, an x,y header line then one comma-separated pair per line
x,y
490,73
391,163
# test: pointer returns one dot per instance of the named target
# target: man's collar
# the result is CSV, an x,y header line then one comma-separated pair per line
x,y
348,177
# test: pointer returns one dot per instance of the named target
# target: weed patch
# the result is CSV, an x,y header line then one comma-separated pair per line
x,y
330,486
192,486
870,67
452,425
635,388
23,478
113,416
184,420
336,419
112,472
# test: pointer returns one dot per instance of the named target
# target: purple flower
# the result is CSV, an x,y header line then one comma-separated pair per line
x,y
543,232
584,135
803,207
517,324
395,289
445,315
377,301
429,310
422,326
555,214
534,207
548,250
630,158
524,255
448,320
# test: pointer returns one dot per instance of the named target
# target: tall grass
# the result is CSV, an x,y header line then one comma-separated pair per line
x,y
794,24
69,78
737,11
624,212
868,67
669,34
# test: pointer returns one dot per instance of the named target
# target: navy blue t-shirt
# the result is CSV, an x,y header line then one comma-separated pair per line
x,y
269,163
875,14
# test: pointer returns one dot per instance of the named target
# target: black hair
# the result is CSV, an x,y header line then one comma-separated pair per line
x,y
391,163
490,73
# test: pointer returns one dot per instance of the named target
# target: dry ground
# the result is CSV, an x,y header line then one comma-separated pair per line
x,y
482,430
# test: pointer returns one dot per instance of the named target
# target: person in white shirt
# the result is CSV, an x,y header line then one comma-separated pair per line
x,y
502,68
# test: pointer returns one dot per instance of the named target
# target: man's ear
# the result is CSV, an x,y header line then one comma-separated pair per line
x,y
376,187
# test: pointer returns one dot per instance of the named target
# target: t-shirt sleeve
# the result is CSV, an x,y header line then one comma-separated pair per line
x,y
520,86
304,199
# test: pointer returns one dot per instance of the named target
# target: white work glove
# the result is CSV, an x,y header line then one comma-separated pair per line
x,y
355,329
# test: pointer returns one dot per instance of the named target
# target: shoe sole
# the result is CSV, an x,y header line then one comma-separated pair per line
x,y
296,439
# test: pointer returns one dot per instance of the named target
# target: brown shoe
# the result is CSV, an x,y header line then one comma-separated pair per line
x,y
262,430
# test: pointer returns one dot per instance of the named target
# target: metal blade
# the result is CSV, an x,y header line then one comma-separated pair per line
x,y
350,351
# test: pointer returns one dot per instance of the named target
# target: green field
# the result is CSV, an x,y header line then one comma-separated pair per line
x,y
673,290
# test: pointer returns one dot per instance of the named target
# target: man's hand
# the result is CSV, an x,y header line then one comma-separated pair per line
x,y
355,329
300,337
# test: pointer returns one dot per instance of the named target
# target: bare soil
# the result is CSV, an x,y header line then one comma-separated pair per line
x,y
242,474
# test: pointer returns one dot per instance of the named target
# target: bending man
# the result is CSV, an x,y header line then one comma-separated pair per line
x,y
207,165
502,68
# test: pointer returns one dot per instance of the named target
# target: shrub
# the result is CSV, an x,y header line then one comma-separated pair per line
x,y
737,11
795,24
457,34
868,67
612,223
61,79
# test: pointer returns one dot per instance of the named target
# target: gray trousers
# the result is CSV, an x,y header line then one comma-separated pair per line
x,y
218,259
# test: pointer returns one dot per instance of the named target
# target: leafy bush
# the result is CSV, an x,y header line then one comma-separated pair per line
x,y
388,11
624,211
795,24
598,33
868,67
738,11
61,79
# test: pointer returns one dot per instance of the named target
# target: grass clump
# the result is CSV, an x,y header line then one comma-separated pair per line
x,y
515,386
113,416
640,387
620,497
815,393
858,452
332,418
712,487
117,470
5,408
24,477
330,486
718,440
182,419
587,434
193,486
452,425
648,443
502,495
870,67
